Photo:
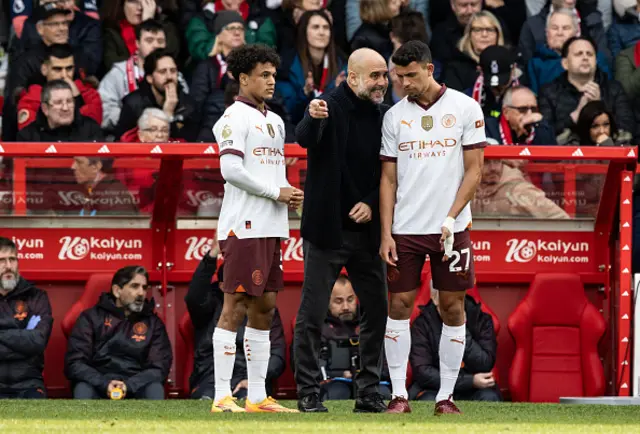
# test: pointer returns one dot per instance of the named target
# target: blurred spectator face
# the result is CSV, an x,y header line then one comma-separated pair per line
x,y
133,11
150,41
370,80
232,5
232,36
59,109
343,302
559,30
9,275
85,170
491,172
62,4
166,72
580,60
311,5
58,69
560,4
601,126
394,7
483,34
54,30
318,32
156,130
522,101
132,295
464,9
261,82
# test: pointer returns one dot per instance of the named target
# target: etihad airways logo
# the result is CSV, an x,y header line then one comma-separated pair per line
x,y
268,152
416,145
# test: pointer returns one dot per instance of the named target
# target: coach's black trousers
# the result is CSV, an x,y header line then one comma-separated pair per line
x,y
367,274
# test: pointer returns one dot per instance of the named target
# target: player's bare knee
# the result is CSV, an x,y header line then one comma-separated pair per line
x,y
452,308
401,305
233,313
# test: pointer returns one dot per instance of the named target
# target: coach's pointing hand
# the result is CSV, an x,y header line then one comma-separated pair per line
x,y
360,213
318,109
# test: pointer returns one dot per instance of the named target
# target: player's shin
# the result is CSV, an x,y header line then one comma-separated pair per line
x,y
257,348
224,357
397,345
452,344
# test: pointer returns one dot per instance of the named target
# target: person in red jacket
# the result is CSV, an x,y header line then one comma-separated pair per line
x,y
59,64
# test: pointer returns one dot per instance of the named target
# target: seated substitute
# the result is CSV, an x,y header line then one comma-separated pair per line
x,y
475,380
204,302
120,343
25,327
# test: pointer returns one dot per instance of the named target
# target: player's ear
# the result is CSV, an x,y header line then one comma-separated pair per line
x,y
244,79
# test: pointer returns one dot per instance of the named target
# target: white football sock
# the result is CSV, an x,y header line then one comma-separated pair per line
x,y
224,358
452,343
397,344
257,349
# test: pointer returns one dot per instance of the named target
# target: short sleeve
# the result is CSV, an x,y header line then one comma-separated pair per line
x,y
389,148
473,134
231,133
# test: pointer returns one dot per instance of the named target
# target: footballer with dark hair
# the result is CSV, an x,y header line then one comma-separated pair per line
x,y
253,220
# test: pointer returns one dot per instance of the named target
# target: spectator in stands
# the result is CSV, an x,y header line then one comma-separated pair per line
x,y
625,32
482,31
25,327
60,65
313,68
475,381
102,193
287,17
511,13
21,10
498,71
447,34
120,19
160,89
627,73
204,303
124,77
504,192
562,100
339,351
120,343
520,122
587,15
596,126
375,30
546,64
228,17
57,120
85,35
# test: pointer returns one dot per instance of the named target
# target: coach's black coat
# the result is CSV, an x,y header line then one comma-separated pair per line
x,y
22,350
204,302
479,353
105,345
343,167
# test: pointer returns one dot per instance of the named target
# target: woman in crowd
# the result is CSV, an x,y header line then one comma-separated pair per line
x,y
595,127
120,20
483,30
375,30
314,67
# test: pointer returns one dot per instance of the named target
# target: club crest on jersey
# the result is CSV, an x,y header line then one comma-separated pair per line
x,y
448,121
272,132
427,123
226,132
281,131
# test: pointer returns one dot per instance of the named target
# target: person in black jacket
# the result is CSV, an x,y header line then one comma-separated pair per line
x,y
340,224
204,302
562,100
25,327
475,380
446,34
120,343
161,89
58,120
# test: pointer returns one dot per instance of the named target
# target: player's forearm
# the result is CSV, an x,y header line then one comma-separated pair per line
x,y
387,202
234,172
467,190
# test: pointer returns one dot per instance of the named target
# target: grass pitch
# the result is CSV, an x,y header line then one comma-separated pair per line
x,y
186,417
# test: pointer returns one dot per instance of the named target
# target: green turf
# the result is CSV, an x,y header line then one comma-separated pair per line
x,y
186,417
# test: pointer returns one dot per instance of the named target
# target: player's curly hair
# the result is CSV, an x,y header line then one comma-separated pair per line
x,y
242,60
412,51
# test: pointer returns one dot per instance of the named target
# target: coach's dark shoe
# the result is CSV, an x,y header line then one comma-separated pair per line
x,y
311,404
371,403
399,405
446,406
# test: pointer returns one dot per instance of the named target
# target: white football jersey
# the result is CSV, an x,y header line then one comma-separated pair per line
x,y
428,144
258,138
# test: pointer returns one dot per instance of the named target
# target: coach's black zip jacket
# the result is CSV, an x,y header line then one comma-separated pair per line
x,y
105,345
22,350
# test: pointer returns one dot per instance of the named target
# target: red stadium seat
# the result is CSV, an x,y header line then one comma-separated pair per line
x,y
556,331
186,331
96,285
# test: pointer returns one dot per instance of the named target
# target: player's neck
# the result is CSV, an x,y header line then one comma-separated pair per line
x,y
259,104
431,95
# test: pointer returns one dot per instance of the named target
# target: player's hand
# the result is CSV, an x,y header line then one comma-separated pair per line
x,y
388,251
360,213
244,384
318,109
214,251
483,380
446,240
291,196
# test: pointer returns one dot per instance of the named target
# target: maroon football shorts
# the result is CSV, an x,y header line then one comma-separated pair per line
x,y
251,265
456,274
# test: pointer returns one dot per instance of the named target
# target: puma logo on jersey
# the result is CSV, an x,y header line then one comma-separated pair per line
x,y
457,341
393,338
259,128
407,123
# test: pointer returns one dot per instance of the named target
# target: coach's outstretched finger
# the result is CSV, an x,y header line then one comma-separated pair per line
x,y
318,109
